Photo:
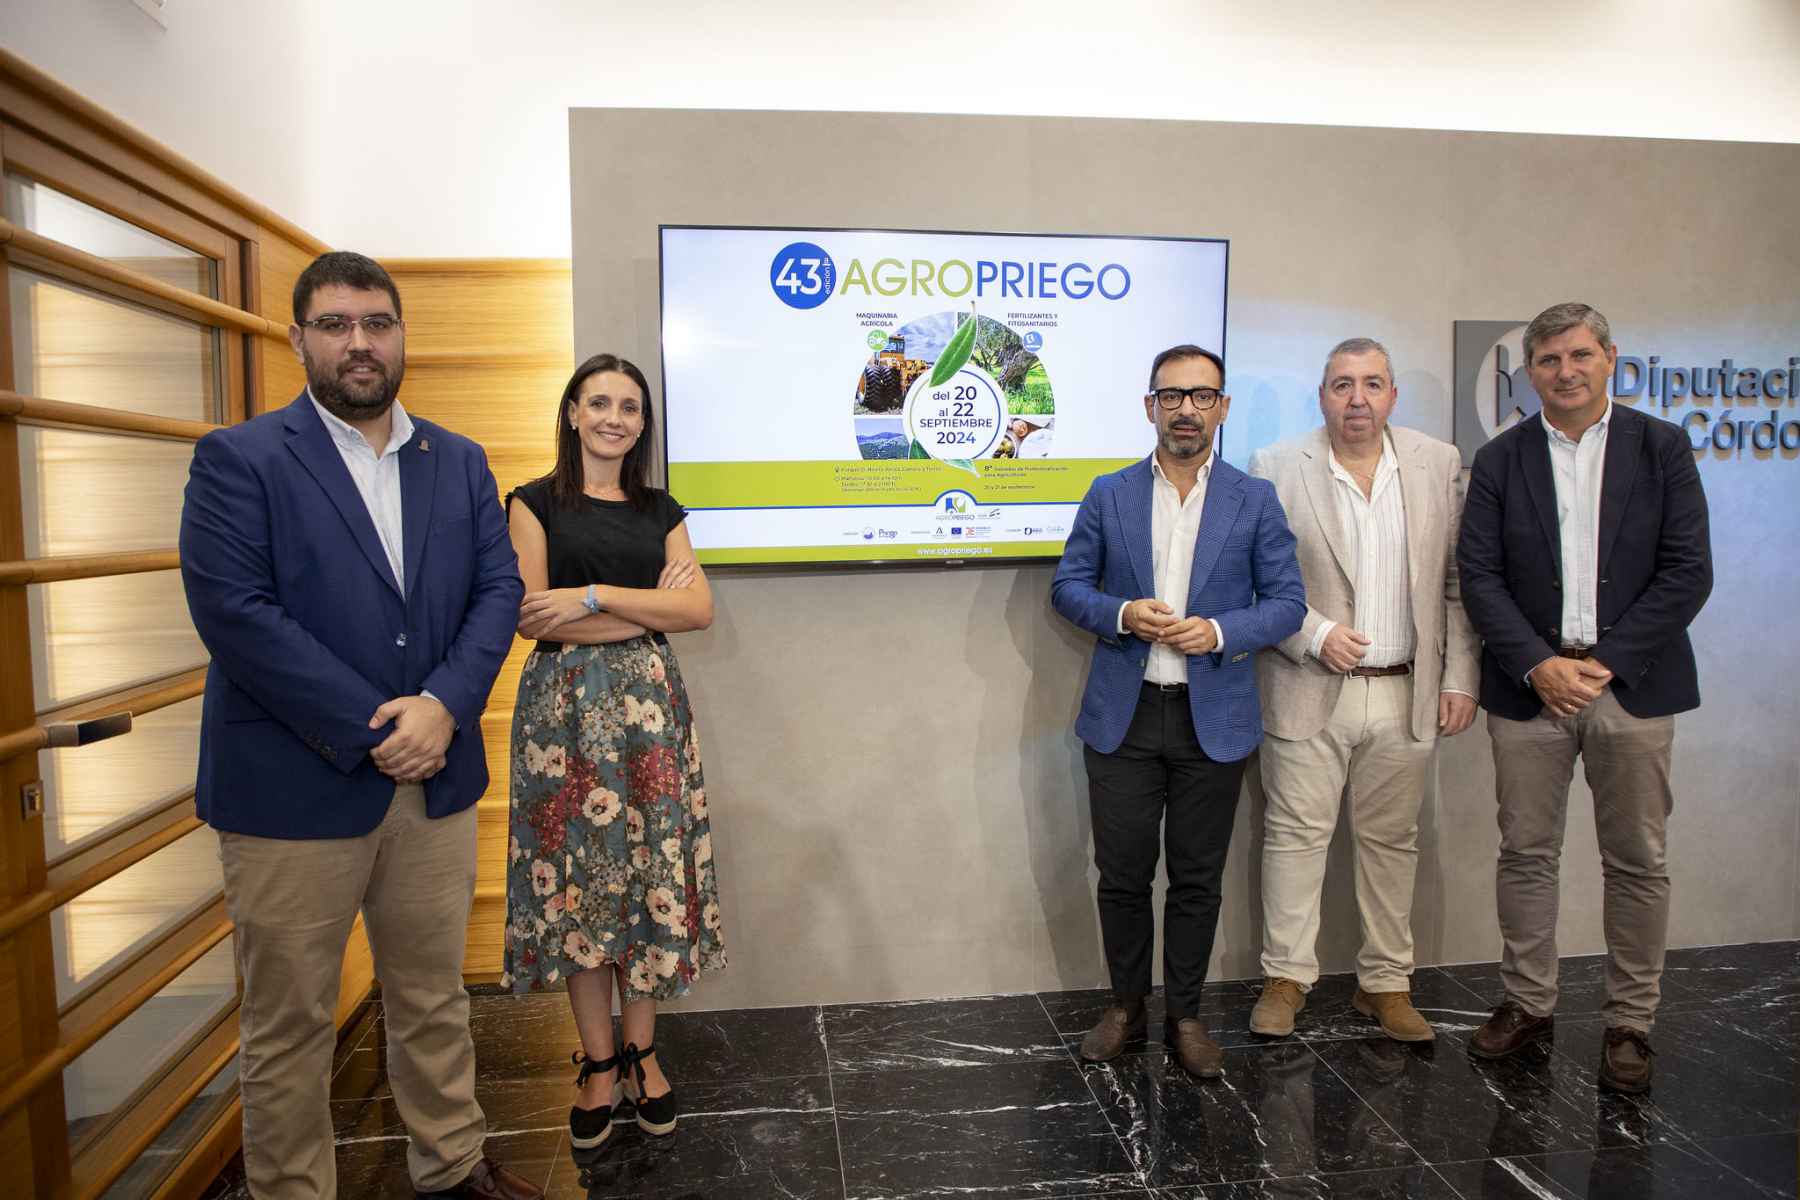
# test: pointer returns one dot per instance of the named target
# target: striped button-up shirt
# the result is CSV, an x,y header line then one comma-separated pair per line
x,y
1374,533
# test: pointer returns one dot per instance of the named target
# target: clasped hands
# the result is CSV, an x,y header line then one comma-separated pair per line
x,y
1568,685
414,751
541,612
1157,623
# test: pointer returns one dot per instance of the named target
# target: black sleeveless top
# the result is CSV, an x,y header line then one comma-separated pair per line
x,y
601,541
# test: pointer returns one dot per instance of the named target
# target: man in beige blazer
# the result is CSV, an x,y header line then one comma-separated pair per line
x,y
1384,664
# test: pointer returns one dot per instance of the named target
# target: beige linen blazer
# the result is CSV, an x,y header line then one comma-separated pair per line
x,y
1298,692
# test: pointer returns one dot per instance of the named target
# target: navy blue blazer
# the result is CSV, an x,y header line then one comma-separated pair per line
x,y
1655,564
1245,577
291,592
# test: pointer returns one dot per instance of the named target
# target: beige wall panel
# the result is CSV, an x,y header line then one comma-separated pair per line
x,y
899,805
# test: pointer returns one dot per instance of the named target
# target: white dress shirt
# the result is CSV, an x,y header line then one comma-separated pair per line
x,y
1174,524
1577,467
377,479
1374,532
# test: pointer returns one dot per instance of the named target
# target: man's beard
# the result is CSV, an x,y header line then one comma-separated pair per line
x,y
355,401
1188,447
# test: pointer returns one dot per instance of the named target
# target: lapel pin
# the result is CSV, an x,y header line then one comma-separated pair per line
x,y
424,445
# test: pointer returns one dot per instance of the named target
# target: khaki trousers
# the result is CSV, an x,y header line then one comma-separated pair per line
x,y
1368,747
1626,760
294,902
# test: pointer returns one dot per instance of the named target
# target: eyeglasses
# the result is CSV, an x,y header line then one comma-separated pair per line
x,y
1171,398
376,325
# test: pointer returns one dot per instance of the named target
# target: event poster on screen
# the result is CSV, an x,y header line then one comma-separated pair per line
x,y
869,395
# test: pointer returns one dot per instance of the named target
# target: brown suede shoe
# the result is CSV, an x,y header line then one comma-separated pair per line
x,y
1200,1056
1399,1019
1625,1060
489,1181
1280,1002
1509,1031
1117,1026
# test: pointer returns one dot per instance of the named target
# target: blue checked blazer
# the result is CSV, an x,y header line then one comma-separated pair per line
x,y
1245,577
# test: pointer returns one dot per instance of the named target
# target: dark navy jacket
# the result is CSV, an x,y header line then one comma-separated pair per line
x,y
309,634
1654,564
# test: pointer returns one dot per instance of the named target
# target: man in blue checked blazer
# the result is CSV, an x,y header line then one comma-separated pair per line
x,y
1182,567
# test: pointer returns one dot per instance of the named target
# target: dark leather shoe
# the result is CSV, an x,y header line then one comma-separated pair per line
x,y
1509,1031
1200,1056
1118,1025
1625,1060
489,1181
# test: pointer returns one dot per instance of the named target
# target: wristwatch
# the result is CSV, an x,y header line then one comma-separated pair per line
x,y
591,602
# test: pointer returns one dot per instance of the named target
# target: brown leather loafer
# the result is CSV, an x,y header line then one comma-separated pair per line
x,y
1399,1019
489,1181
1199,1055
1118,1025
1625,1060
1275,1010
1509,1031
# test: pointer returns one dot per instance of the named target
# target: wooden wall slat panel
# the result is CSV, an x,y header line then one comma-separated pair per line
x,y
489,346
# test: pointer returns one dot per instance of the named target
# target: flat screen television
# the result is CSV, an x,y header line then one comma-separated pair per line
x,y
867,395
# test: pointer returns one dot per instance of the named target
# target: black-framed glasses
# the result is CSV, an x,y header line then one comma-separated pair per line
x,y
1171,398
376,325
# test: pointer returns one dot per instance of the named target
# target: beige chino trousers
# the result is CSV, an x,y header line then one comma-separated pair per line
x,y
1366,751
294,902
1626,760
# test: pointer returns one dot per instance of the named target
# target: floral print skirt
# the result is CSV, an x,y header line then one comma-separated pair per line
x,y
610,858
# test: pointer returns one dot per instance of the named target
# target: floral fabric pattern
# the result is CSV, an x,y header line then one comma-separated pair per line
x,y
610,855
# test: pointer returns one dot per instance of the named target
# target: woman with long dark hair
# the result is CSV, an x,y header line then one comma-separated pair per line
x,y
610,879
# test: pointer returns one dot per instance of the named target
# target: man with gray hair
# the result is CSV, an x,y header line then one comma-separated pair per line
x,y
1585,556
1383,665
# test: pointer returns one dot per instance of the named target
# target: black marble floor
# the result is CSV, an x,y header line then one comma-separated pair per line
x,y
984,1098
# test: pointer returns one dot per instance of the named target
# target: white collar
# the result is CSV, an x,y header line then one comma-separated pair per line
x,y
1200,479
1601,424
349,436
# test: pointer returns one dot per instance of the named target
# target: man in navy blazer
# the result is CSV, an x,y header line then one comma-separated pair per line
x,y
349,569
1585,556
1182,567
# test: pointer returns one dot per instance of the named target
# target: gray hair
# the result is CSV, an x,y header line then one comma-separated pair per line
x,y
1560,318
1357,345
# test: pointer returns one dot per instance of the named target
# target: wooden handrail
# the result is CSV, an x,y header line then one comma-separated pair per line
x,y
208,310
37,411
91,866
62,96
101,1159
103,843
208,1151
148,972
137,700
102,999
22,571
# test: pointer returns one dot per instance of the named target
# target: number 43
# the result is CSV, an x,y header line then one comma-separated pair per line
x,y
787,279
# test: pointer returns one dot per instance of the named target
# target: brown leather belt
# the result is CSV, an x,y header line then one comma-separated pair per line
x,y
1577,652
1379,672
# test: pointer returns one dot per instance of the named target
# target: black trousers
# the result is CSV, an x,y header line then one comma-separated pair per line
x,y
1159,780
